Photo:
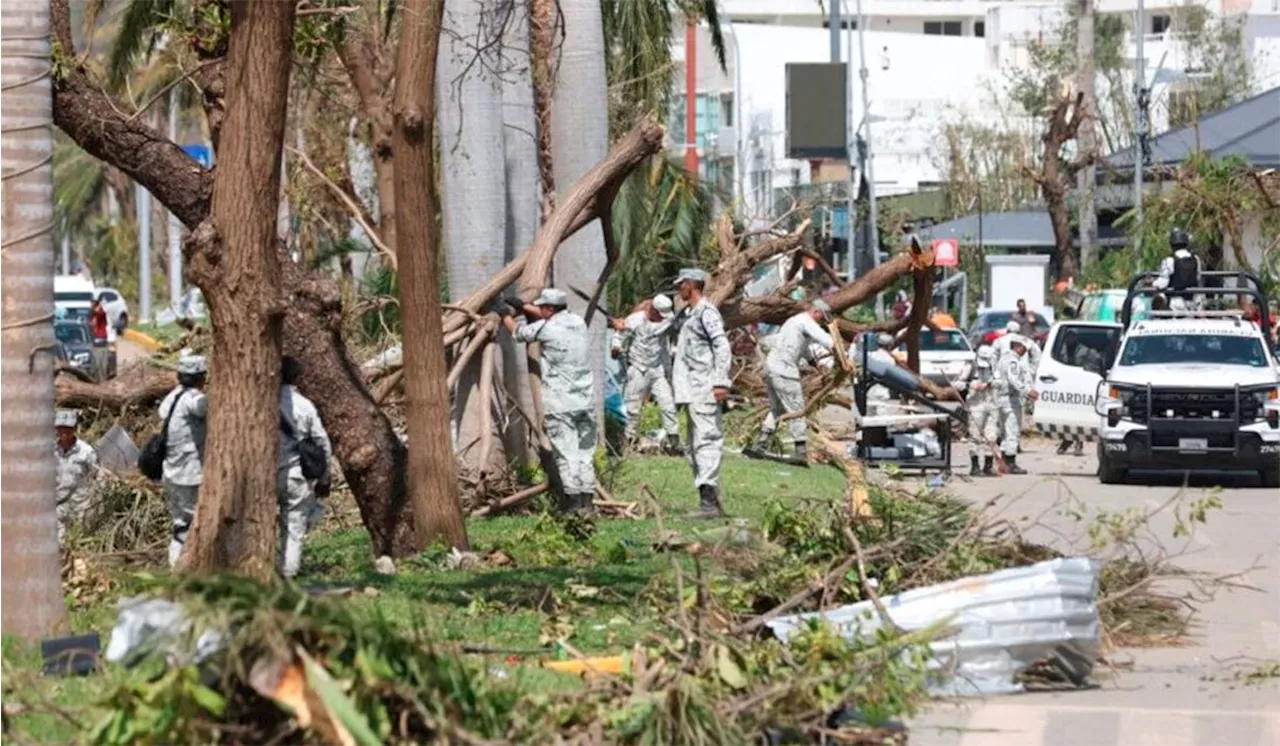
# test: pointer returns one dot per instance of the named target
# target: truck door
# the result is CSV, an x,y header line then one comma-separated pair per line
x,y
1067,390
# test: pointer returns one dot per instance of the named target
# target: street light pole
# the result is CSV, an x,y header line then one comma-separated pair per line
x,y
1139,141
175,226
874,242
852,148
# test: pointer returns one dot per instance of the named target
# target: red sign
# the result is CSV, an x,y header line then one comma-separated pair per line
x,y
946,253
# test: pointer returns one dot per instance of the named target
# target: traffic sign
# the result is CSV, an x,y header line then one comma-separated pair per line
x,y
203,154
946,253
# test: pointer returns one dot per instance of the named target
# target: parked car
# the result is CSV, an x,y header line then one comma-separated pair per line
x,y
117,307
946,357
75,343
990,325
72,296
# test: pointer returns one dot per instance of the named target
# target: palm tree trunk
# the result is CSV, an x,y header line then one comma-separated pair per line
x,y
542,38
432,477
473,186
520,127
32,584
580,138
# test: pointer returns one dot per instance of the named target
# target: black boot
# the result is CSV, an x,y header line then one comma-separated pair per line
x,y
973,465
708,503
988,466
673,446
1063,445
1011,462
760,447
801,457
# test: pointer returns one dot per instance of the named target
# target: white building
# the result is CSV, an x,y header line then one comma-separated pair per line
x,y
929,62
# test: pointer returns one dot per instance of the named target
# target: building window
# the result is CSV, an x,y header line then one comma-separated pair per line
x,y
726,109
1160,24
979,28
943,28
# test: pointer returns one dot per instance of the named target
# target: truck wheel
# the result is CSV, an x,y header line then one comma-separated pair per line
x,y
1270,478
1108,473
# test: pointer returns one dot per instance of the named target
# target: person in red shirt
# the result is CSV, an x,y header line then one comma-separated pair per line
x,y
98,321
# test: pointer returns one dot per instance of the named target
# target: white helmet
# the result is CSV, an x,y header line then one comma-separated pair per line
x,y
986,356
661,304
1013,327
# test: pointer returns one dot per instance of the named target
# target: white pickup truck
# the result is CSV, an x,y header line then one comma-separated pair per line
x,y
1183,392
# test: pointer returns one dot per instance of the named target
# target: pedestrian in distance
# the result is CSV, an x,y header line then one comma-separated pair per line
x,y
568,391
700,382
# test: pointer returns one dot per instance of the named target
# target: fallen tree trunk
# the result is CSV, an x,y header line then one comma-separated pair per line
x,y
144,386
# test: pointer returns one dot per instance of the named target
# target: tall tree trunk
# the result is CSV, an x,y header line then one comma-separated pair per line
x,y
474,195
32,585
542,47
1088,215
433,485
520,142
580,138
233,259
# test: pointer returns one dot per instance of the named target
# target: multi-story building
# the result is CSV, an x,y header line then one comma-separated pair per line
x,y
930,63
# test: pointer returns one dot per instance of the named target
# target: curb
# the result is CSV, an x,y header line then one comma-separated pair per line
x,y
142,340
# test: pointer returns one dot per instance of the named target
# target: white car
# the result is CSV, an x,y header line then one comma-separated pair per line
x,y
946,357
1182,394
117,307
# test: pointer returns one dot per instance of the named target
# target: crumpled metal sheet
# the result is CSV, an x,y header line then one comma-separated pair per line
x,y
1001,624
116,450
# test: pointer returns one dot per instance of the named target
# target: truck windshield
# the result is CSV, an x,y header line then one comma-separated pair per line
x,y
1169,349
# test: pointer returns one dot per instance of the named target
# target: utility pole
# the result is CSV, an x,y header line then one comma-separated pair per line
x,y
835,30
66,252
143,198
852,147
872,229
1088,212
691,98
175,226
1140,120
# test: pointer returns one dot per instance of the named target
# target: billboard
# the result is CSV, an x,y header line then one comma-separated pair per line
x,y
817,117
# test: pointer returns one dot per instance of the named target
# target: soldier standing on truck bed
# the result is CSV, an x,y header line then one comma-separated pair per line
x,y
1178,272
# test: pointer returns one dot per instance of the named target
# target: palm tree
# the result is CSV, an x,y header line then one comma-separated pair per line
x,y
32,584
473,185
580,139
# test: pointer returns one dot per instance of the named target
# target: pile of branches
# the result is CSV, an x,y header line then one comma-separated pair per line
x,y
276,679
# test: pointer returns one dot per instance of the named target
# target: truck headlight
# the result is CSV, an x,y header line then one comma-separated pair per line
x,y
1121,405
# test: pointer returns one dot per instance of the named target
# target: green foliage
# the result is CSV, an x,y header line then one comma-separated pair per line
x,y
660,219
1210,200
638,61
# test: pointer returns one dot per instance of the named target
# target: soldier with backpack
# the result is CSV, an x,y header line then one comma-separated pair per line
x,y
302,476
183,411
1179,272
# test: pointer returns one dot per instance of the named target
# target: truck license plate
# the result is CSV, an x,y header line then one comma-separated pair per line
x,y
1193,444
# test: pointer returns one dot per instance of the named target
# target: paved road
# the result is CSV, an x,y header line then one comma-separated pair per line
x,y
1188,696
128,353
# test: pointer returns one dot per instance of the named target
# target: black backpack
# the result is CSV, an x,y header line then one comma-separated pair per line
x,y
314,462
151,459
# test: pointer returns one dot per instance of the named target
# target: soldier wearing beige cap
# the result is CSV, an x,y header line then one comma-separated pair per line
x,y
184,409
77,468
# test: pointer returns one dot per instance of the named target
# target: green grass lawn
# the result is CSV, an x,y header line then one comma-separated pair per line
x,y
592,594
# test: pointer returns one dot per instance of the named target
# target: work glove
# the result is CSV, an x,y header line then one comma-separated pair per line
x,y
324,486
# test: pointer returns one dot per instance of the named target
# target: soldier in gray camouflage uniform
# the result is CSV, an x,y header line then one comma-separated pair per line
x,y
77,469
643,338
701,383
568,395
782,377
299,509
184,455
